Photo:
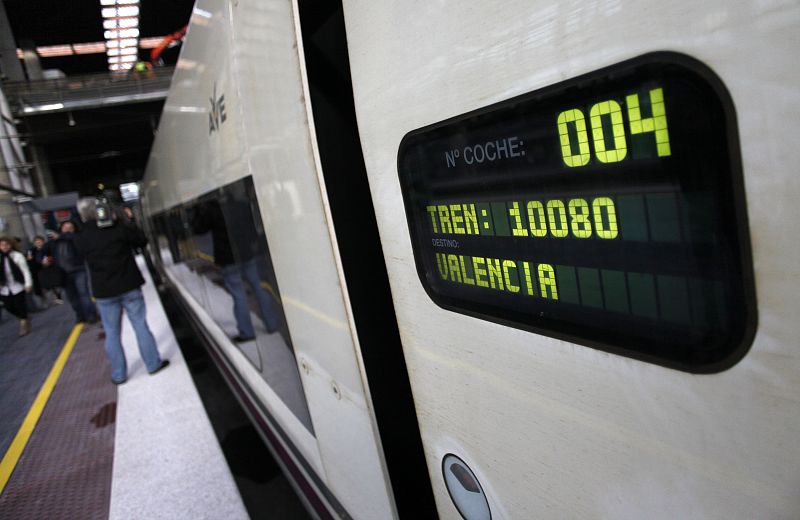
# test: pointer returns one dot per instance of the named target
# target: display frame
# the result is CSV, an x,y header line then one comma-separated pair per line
x,y
608,340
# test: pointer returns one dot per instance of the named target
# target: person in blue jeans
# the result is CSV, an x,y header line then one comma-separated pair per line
x,y
233,275
116,283
236,256
66,257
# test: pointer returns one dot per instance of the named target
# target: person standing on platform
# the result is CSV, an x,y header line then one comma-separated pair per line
x,y
66,256
15,281
51,277
108,246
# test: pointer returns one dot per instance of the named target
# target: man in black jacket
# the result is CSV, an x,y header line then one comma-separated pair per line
x,y
71,263
116,284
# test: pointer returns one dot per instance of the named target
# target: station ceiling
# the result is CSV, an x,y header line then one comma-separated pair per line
x,y
49,22
84,147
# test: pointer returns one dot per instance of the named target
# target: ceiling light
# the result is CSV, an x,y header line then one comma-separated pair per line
x,y
54,106
110,24
113,60
112,43
126,23
109,12
54,50
107,2
131,10
89,48
126,59
128,42
127,2
113,52
151,43
129,33
129,50
108,35
115,66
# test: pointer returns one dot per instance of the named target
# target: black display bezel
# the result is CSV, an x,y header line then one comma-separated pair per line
x,y
611,340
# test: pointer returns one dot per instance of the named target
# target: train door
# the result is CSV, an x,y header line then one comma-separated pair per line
x,y
582,207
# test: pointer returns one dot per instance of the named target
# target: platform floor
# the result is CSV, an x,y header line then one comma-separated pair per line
x,y
145,449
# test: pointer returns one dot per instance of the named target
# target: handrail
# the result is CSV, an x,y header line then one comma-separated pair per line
x,y
86,91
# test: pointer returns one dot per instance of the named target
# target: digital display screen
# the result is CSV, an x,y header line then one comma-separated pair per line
x,y
607,210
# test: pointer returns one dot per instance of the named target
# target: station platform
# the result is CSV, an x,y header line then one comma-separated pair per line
x,y
74,445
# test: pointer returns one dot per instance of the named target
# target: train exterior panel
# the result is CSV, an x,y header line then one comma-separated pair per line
x,y
237,109
252,223
550,428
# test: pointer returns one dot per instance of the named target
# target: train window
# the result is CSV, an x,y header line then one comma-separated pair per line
x,y
227,259
607,210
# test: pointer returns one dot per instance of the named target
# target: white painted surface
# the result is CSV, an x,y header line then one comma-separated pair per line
x,y
553,429
167,461
248,51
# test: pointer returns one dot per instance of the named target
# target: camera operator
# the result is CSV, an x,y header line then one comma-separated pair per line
x,y
107,243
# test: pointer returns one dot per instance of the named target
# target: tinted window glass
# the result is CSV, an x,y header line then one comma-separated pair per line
x,y
225,263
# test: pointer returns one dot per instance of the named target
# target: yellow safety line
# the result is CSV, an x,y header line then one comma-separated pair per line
x,y
14,452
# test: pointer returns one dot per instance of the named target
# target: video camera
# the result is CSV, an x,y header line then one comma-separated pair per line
x,y
108,208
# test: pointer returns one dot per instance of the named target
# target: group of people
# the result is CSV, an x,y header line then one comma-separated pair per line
x,y
97,256
49,267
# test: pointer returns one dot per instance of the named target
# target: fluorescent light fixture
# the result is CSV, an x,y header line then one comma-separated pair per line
x,y
50,51
123,23
89,48
126,23
201,12
54,106
121,26
131,10
120,12
150,43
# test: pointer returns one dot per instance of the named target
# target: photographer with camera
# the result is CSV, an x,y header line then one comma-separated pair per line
x,y
107,242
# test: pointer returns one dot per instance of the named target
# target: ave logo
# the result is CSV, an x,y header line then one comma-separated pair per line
x,y
217,114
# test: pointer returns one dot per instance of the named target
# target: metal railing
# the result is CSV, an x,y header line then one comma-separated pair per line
x,y
87,91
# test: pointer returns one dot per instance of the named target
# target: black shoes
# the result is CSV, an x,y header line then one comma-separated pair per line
x,y
242,339
164,364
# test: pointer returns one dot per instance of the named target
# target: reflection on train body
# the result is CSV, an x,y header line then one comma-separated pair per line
x,y
220,253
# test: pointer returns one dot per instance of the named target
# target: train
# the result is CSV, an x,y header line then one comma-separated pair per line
x,y
493,260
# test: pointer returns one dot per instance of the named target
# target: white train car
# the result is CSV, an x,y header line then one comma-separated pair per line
x,y
511,260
